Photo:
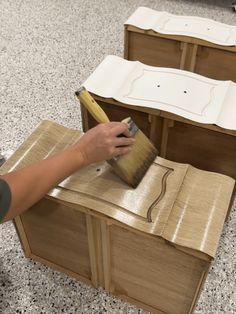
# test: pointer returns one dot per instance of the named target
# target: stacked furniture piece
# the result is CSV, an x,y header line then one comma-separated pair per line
x,y
152,245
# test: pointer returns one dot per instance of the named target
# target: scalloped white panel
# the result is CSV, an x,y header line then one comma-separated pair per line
x,y
184,93
192,26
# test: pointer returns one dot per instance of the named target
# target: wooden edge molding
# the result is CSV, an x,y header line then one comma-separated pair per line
x,y
22,235
198,290
92,250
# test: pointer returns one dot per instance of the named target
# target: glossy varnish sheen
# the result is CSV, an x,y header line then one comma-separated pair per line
x,y
151,245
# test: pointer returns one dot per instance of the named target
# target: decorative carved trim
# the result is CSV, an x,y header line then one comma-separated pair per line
x,y
149,210
206,100
162,193
188,95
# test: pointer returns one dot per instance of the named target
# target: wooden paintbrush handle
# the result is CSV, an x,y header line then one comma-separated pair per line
x,y
91,105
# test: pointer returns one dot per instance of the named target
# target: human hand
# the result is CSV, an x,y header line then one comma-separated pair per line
x,y
102,142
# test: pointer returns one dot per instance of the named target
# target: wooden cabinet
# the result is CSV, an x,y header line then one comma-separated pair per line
x,y
175,41
152,245
205,146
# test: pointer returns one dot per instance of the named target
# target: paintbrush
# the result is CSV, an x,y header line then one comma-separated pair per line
x,y
132,166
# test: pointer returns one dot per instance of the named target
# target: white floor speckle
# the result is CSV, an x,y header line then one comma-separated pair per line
x,y
47,49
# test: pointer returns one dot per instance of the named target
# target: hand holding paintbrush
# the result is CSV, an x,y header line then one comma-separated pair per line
x,y
132,166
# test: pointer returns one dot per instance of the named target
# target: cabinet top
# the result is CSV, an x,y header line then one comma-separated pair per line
x,y
174,202
186,94
191,26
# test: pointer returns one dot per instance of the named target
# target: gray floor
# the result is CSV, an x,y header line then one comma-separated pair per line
x,y
47,49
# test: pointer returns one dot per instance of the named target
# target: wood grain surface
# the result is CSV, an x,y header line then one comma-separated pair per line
x,y
177,202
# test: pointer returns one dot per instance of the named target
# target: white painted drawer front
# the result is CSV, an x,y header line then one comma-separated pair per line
x,y
192,26
187,94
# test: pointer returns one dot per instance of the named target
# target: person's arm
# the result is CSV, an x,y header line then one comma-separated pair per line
x,y
5,198
30,184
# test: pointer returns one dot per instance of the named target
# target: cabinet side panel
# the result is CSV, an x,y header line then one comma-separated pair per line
x,y
153,50
152,272
216,63
202,148
58,234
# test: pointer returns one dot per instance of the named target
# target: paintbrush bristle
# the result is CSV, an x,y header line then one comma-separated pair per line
x,y
133,166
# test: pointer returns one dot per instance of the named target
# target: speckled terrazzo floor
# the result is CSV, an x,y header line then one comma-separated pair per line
x,y
47,48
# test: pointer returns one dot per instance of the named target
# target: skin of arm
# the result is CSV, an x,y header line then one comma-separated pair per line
x,y
97,144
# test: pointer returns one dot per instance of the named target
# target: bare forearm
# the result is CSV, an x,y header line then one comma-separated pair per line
x,y
30,184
